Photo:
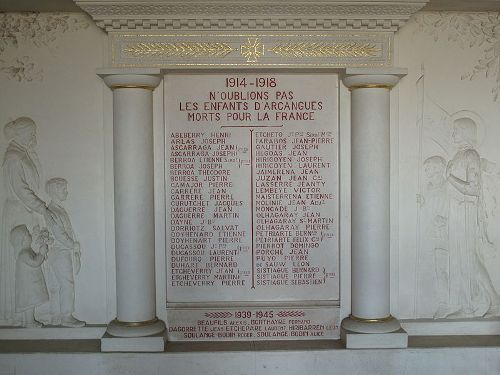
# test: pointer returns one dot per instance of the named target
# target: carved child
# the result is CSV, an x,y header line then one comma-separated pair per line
x,y
64,254
436,209
31,290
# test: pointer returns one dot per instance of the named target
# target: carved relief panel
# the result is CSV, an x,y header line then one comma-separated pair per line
x,y
456,176
50,198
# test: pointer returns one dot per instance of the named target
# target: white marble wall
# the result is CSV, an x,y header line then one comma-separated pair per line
x,y
50,77
47,72
453,62
447,267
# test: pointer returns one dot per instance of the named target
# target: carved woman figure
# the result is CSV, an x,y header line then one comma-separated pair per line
x,y
22,205
471,292
31,290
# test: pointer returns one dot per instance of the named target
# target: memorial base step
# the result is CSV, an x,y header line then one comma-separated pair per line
x,y
155,343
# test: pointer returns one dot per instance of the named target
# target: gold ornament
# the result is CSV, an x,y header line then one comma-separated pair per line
x,y
179,49
324,49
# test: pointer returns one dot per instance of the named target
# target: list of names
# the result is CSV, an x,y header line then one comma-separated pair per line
x,y
252,182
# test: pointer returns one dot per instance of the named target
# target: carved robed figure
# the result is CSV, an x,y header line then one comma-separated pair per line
x,y
471,292
22,205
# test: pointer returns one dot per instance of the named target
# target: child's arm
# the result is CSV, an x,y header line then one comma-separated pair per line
x,y
32,260
61,235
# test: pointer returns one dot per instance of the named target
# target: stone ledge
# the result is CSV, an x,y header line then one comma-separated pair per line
x,y
443,361
93,346
52,333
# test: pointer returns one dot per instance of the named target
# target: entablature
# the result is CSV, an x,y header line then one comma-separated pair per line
x,y
117,15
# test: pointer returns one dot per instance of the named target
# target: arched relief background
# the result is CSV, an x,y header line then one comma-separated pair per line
x,y
449,241
58,89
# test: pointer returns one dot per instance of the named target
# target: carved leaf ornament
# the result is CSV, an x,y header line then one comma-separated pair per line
x,y
322,49
180,49
252,50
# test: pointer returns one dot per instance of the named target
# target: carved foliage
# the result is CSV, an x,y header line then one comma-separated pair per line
x,y
41,29
469,30
32,29
21,69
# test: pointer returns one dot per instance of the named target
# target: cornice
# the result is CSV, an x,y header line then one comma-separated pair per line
x,y
372,15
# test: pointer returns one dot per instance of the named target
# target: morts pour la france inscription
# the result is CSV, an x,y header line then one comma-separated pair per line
x,y
252,206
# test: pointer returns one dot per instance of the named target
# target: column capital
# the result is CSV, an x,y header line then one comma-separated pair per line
x,y
131,78
373,77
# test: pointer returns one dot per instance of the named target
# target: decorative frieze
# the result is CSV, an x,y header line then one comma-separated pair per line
x,y
251,50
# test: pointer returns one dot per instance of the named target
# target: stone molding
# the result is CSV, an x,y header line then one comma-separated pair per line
x,y
370,15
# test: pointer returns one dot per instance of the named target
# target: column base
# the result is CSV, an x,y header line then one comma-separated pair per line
x,y
135,329
359,325
155,343
358,333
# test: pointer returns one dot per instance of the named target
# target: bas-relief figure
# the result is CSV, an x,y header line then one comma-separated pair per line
x,y
458,186
452,280
471,292
31,290
23,205
63,257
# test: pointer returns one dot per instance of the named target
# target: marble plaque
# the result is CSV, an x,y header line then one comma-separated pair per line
x,y
252,183
253,324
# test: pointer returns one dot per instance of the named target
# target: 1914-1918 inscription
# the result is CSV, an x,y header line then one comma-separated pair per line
x,y
252,182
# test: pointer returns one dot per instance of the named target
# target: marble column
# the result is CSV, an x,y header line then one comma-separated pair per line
x,y
370,199
134,202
